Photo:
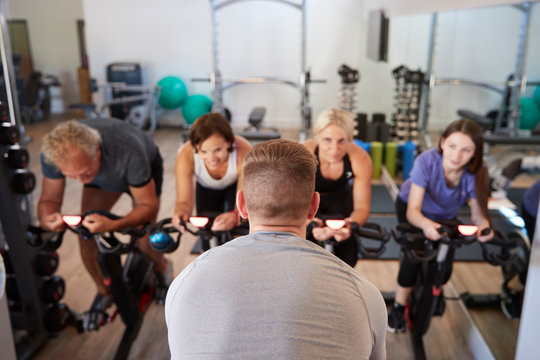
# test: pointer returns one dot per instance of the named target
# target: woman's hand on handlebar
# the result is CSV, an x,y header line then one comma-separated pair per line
x,y
484,238
53,222
176,221
323,233
431,231
96,223
320,232
345,232
225,221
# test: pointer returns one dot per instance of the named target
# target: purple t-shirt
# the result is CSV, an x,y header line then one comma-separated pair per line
x,y
531,198
440,201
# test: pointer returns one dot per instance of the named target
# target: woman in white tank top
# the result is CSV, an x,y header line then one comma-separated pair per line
x,y
213,156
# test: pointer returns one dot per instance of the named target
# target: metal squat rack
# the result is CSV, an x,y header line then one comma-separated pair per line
x,y
516,84
220,84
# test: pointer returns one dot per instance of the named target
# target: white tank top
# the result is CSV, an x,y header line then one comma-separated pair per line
x,y
205,179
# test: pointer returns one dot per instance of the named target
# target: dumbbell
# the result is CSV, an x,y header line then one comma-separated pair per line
x,y
9,134
16,157
46,263
56,317
52,289
23,181
360,125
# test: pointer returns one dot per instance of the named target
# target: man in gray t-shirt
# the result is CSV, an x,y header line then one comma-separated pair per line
x,y
109,157
272,294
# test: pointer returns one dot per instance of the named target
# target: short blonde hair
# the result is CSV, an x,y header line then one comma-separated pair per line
x,y
334,116
278,179
59,143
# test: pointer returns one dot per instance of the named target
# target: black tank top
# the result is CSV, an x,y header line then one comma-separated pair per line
x,y
324,185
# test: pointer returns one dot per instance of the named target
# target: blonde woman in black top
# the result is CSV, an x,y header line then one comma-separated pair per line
x,y
343,179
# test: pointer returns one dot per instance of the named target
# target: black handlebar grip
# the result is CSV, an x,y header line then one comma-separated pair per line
x,y
485,231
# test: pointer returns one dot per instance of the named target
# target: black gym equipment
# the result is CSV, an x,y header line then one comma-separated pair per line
x,y
405,125
33,310
22,181
16,157
256,131
37,97
52,289
45,263
427,297
347,93
133,283
383,212
9,134
126,96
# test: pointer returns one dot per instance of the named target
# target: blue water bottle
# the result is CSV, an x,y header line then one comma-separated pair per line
x,y
408,158
161,241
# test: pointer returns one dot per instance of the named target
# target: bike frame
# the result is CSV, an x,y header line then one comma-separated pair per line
x,y
132,284
427,296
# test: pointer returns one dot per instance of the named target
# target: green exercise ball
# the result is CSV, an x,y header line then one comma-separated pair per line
x,y
536,95
195,106
530,114
173,92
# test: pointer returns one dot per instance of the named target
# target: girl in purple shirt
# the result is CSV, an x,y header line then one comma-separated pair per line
x,y
442,181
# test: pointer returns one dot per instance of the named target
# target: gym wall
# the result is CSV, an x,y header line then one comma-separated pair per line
x,y
173,37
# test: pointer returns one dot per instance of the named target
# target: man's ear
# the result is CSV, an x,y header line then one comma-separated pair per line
x,y
241,204
314,205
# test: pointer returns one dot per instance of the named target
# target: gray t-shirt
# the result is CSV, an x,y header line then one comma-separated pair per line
x,y
273,295
126,156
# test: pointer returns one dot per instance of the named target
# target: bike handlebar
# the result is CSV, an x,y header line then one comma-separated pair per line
x,y
409,238
415,245
371,231
160,238
504,255
204,227
108,242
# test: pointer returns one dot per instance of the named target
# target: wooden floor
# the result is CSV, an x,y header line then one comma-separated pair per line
x,y
446,339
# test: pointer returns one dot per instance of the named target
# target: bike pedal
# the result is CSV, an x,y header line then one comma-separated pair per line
x,y
441,306
161,294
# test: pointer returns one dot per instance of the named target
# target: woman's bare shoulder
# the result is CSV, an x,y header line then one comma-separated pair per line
x,y
310,144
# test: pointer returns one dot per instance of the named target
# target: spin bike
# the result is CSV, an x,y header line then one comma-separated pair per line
x,y
371,237
133,283
427,298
